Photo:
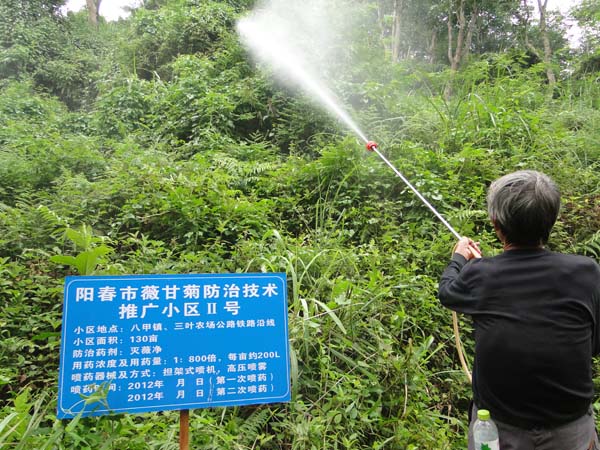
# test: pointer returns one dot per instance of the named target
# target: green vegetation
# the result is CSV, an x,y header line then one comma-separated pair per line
x,y
155,145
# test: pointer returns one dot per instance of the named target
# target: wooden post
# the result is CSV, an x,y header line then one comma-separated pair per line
x,y
184,429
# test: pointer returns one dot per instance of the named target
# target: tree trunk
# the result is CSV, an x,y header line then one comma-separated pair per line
x,y
381,20
546,41
455,57
432,44
470,30
463,39
397,30
546,57
448,87
450,52
93,7
525,26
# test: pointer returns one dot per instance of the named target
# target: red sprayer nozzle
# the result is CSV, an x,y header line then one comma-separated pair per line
x,y
371,146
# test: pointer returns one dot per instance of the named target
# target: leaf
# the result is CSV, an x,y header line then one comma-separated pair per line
x,y
22,401
83,239
86,262
7,420
67,260
331,314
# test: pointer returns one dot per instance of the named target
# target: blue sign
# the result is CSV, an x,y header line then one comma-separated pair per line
x,y
160,342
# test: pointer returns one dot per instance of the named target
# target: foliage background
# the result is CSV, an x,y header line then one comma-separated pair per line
x,y
156,145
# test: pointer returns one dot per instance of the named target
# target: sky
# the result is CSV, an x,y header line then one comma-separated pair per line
x,y
109,9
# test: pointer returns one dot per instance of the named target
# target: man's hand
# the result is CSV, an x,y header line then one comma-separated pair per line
x,y
467,248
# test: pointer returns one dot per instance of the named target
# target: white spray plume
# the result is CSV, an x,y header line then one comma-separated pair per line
x,y
294,38
288,34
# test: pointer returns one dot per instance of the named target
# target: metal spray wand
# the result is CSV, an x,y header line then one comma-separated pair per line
x,y
373,147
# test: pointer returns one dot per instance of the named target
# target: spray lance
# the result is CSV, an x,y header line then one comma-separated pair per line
x,y
372,146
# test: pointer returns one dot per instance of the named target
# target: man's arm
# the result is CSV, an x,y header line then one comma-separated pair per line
x,y
455,291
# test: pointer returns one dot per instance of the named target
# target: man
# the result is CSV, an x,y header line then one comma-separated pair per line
x,y
536,316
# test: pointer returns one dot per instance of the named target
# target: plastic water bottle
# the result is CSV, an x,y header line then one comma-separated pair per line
x,y
485,432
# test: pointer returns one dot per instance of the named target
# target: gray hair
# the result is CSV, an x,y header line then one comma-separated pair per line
x,y
524,205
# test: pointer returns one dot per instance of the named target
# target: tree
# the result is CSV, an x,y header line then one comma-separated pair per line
x,y
542,6
177,28
93,7
29,31
546,55
459,48
60,55
396,29
496,29
410,28
429,29
587,15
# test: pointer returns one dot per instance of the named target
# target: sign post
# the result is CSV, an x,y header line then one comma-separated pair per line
x,y
173,342
184,429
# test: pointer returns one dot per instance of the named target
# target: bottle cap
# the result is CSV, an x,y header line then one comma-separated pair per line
x,y
483,414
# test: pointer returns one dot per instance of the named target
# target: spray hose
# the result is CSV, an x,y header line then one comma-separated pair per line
x,y
373,147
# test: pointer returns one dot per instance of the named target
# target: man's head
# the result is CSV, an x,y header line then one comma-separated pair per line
x,y
523,206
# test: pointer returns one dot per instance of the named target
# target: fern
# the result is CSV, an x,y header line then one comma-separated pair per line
x,y
252,428
243,173
464,215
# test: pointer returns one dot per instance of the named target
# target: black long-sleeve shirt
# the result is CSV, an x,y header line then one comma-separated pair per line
x,y
536,317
